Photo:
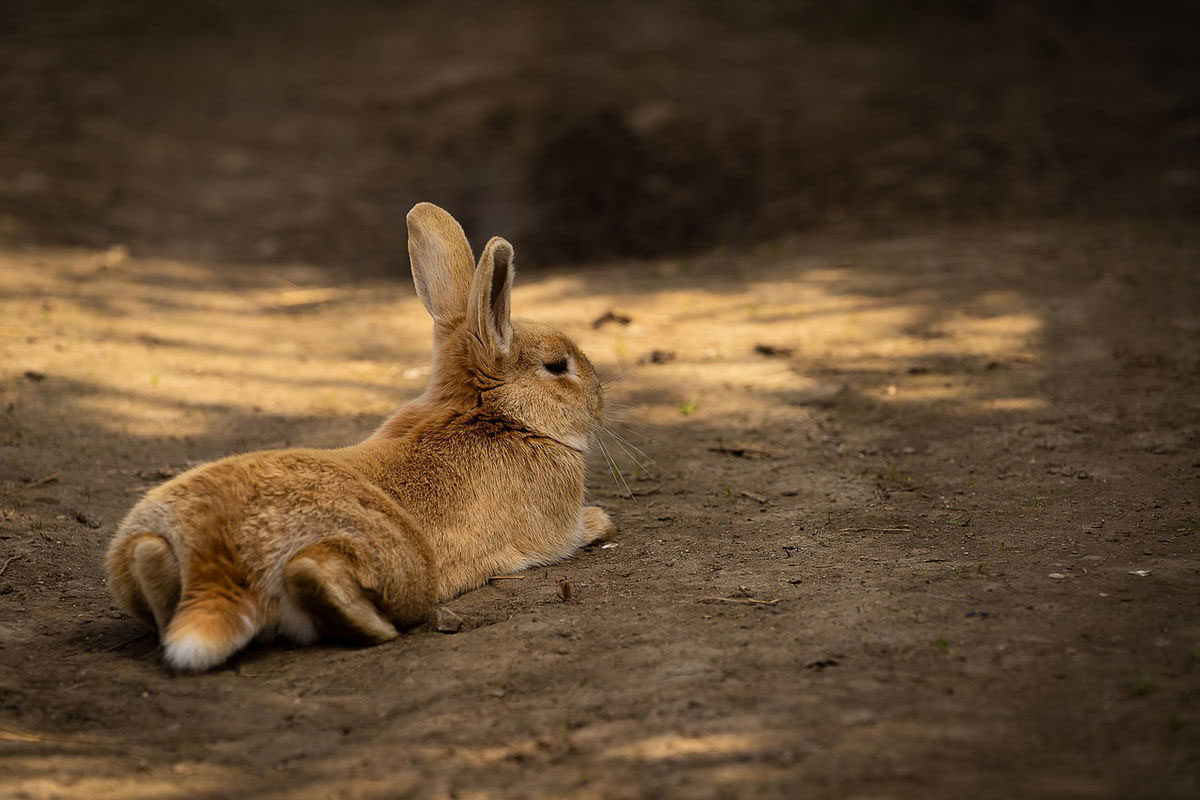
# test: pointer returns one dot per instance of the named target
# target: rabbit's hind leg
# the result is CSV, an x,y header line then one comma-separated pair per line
x,y
156,571
143,575
321,579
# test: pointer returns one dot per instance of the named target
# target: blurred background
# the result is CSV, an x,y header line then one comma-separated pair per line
x,y
302,131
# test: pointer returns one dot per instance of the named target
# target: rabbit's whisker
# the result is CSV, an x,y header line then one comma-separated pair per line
x,y
615,471
633,451
627,428
628,420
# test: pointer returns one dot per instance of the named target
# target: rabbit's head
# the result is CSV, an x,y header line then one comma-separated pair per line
x,y
522,371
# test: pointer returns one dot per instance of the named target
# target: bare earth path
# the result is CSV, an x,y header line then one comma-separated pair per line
x,y
939,539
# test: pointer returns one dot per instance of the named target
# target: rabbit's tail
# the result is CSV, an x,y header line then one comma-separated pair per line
x,y
214,620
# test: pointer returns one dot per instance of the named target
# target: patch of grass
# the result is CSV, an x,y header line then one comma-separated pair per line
x,y
688,408
1142,687
942,645
963,518
1035,502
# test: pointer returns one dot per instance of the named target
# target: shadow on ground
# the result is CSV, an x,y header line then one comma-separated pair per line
x,y
264,132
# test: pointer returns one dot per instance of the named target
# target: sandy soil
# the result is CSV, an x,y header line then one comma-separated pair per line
x,y
940,538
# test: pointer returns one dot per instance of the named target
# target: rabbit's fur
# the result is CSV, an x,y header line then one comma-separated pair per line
x,y
483,474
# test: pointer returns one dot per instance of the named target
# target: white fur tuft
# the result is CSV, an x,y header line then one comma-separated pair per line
x,y
195,652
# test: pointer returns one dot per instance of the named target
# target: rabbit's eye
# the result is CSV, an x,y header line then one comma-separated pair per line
x,y
556,367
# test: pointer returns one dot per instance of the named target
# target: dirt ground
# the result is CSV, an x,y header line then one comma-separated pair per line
x,y
940,538
905,340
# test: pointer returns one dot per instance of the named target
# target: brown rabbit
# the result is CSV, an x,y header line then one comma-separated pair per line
x,y
481,475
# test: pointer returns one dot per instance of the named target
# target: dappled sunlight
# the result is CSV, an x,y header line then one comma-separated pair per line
x,y
159,348
167,344
137,417
803,330
677,746
56,766
162,346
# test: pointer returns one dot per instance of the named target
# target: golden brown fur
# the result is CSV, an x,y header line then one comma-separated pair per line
x,y
482,474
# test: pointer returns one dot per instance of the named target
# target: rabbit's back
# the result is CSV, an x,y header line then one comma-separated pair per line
x,y
265,505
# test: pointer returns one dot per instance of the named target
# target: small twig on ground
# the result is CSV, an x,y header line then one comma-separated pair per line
x,y
42,481
611,316
743,600
774,350
10,735
9,561
743,452
905,529
507,578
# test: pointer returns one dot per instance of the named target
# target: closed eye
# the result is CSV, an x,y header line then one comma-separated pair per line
x,y
556,367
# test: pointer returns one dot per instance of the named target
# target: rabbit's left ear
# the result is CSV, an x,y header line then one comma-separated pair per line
x,y
489,316
441,261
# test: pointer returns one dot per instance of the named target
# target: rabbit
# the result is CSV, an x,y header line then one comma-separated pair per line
x,y
482,474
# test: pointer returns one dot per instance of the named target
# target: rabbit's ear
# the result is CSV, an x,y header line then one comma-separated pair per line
x,y
488,311
441,260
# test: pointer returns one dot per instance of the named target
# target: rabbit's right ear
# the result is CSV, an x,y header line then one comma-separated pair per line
x,y
441,260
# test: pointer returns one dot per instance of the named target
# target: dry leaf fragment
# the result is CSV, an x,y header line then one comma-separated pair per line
x,y
564,591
